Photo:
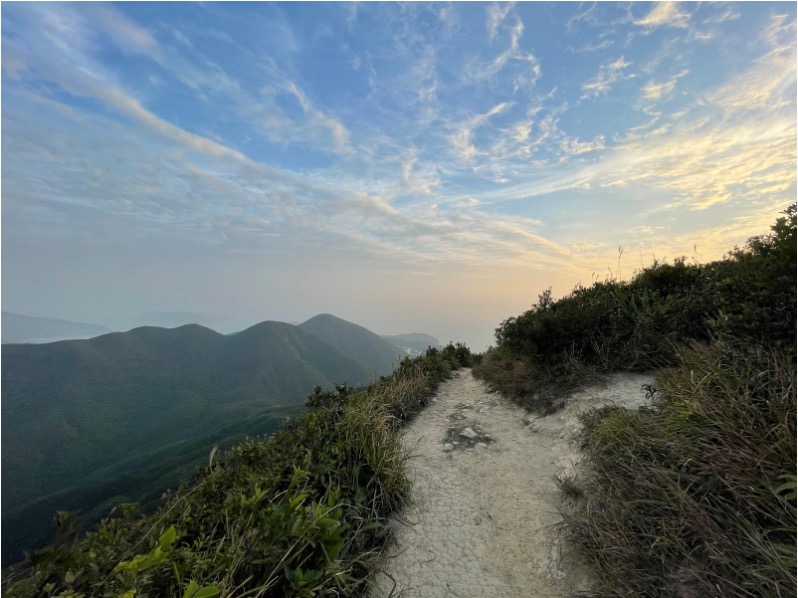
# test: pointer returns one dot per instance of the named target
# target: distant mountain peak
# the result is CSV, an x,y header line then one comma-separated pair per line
x,y
19,328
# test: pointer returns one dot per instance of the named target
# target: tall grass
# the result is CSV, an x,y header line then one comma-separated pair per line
x,y
695,496
301,513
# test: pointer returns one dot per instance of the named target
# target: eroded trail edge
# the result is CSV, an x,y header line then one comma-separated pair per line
x,y
484,519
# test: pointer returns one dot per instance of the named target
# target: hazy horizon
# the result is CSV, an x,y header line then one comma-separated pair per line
x,y
407,167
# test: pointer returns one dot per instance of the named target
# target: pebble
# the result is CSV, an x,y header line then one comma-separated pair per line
x,y
468,433
448,447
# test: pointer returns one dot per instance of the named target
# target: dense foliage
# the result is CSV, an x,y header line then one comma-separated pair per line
x,y
638,325
302,513
694,495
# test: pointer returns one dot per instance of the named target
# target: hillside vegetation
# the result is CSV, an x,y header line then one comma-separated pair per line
x,y
695,495
88,423
302,513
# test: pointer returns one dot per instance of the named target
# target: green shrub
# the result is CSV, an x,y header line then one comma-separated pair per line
x,y
638,325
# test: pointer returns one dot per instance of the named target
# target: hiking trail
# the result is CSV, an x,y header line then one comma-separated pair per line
x,y
483,522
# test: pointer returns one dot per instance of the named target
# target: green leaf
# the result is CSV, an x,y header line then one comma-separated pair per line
x,y
208,592
192,588
168,537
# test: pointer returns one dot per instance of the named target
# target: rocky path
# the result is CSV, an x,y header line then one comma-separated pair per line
x,y
484,522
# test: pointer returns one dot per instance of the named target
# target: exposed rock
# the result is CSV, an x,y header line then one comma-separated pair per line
x,y
468,433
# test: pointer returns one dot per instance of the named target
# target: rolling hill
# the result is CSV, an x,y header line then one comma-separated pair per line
x,y
369,350
18,328
83,421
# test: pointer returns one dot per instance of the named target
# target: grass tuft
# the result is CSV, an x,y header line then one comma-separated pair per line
x,y
695,496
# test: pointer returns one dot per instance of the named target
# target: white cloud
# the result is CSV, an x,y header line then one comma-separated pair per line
x,y
654,90
125,33
728,15
770,83
497,12
609,74
461,139
529,71
590,48
665,14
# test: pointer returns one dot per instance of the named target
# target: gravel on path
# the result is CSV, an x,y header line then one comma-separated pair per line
x,y
484,519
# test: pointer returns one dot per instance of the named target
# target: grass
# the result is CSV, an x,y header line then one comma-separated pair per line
x,y
302,513
695,496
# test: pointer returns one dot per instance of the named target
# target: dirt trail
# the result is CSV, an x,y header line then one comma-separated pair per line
x,y
485,513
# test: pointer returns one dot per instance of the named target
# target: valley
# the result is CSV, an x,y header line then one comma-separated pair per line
x,y
122,417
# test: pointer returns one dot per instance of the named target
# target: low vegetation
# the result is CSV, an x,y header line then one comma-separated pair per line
x,y
301,513
694,495
638,325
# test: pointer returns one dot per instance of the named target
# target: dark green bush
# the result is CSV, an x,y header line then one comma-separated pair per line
x,y
749,297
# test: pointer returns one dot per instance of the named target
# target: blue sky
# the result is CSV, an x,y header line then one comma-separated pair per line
x,y
425,167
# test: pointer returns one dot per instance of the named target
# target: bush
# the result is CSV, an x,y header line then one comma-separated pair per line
x,y
749,297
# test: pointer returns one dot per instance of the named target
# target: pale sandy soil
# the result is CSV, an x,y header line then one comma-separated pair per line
x,y
484,519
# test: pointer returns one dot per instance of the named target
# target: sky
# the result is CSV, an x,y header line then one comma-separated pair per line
x,y
408,167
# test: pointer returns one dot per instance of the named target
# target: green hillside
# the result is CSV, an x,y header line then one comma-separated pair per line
x,y
372,352
304,512
72,409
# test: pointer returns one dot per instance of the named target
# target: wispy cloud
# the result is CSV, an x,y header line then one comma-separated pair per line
x,y
665,14
461,139
609,74
654,90
497,12
770,83
529,72
382,134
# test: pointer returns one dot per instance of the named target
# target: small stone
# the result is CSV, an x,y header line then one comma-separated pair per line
x,y
448,447
481,446
468,433
528,419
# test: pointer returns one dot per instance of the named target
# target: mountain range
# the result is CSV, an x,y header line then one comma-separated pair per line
x,y
91,423
17,328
